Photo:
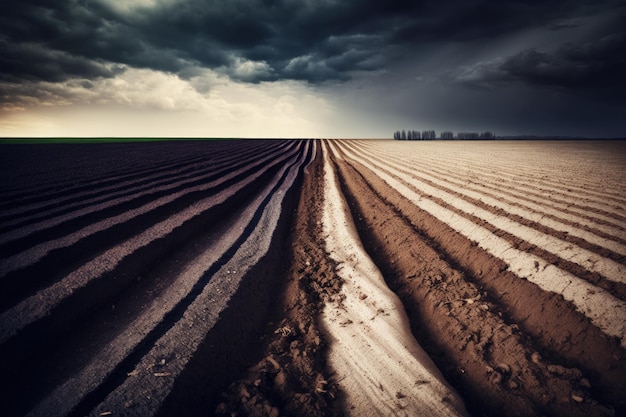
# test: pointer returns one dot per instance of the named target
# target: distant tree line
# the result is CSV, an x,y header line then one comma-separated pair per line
x,y
476,136
407,135
445,135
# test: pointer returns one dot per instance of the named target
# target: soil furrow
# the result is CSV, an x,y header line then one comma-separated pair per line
x,y
601,222
121,208
520,182
165,174
128,161
43,264
159,274
463,318
610,237
292,376
61,211
143,305
607,268
617,289
238,293
530,215
373,370
62,196
510,166
558,329
591,301
138,250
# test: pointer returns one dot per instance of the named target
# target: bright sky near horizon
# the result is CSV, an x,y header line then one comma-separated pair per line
x,y
301,68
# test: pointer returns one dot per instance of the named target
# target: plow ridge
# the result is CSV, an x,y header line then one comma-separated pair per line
x,y
123,193
178,313
516,183
102,286
537,213
259,181
134,165
20,270
580,345
257,257
314,278
63,197
162,177
599,258
521,234
535,216
512,170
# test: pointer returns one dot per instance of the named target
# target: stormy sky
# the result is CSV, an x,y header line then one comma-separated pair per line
x,y
311,68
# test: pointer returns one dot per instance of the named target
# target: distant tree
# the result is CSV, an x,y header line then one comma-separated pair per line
x,y
429,135
468,135
447,135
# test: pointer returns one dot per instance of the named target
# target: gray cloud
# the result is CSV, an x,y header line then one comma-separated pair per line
x,y
309,41
322,43
33,62
593,69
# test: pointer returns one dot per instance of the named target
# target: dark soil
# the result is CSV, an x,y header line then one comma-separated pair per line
x,y
293,377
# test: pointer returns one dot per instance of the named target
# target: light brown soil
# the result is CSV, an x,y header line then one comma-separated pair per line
x,y
482,327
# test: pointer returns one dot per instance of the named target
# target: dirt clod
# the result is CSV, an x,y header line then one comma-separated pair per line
x,y
293,378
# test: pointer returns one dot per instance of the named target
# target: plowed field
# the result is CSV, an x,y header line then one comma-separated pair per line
x,y
313,278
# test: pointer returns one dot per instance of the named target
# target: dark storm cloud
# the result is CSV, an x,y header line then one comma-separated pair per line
x,y
32,62
563,25
315,41
596,64
594,69
462,21
298,39
83,29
